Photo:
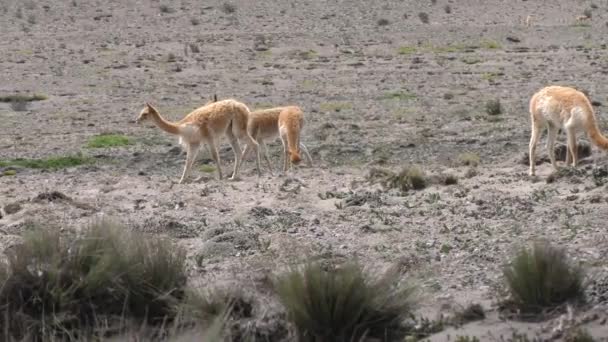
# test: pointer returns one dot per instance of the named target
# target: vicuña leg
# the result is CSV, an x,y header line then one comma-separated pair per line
x,y
551,136
236,148
215,155
532,151
571,133
306,154
286,160
192,151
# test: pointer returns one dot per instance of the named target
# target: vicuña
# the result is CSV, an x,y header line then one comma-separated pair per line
x,y
558,107
286,122
207,124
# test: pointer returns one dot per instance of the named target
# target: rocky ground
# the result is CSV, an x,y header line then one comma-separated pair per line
x,y
383,84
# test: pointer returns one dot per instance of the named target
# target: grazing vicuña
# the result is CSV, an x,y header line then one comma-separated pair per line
x,y
264,125
562,107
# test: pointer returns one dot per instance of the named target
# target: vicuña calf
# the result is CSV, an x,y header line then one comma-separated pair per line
x,y
266,124
206,124
562,107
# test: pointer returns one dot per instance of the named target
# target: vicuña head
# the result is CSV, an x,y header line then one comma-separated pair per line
x,y
146,113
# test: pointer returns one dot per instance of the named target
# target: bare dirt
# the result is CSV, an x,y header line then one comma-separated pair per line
x,y
375,93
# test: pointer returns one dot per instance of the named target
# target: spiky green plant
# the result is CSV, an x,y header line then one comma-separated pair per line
x,y
543,276
344,303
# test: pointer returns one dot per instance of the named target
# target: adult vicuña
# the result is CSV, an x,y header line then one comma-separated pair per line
x,y
268,124
556,107
207,124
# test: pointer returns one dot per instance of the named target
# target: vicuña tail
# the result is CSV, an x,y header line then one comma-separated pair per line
x,y
594,132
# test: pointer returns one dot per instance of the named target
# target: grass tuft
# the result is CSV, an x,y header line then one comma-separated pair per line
x,y
207,168
494,107
409,178
52,163
468,159
344,303
399,95
542,277
579,335
58,286
109,140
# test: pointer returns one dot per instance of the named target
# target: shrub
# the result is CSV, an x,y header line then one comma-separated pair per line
x,y
408,178
542,277
108,140
22,98
344,303
579,335
228,8
60,286
383,22
423,17
493,107
449,180
447,9
472,312
468,159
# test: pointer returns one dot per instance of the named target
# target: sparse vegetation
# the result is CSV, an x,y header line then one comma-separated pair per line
x,y
228,8
542,276
383,22
52,163
334,106
166,9
468,159
57,285
579,335
407,50
109,140
493,107
402,95
467,339
22,98
490,44
449,180
344,303
472,312
447,9
424,18
409,178
195,21
207,168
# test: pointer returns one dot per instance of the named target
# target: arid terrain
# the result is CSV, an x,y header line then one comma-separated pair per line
x,y
383,84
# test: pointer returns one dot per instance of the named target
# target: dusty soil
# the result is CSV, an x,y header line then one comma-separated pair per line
x,y
366,104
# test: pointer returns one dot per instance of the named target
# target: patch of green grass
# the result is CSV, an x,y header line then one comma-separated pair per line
x,y
52,163
307,55
207,168
490,76
490,44
470,60
109,140
9,173
407,50
308,85
22,98
467,338
334,106
402,95
344,303
542,277
446,49
58,285
468,159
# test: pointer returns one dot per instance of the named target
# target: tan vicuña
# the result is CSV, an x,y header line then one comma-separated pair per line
x,y
265,124
206,124
558,107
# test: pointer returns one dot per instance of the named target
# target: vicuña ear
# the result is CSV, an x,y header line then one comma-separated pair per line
x,y
214,97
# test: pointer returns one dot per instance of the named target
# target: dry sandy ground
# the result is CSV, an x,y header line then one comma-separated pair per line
x,y
403,93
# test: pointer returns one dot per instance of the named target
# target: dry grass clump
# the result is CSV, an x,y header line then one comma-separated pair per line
x,y
344,303
409,178
60,287
468,159
542,277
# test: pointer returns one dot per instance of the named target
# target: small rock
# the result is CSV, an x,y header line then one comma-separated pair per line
x,y
572,198
513,39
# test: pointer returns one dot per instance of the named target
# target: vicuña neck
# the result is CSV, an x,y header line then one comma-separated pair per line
x,y
163,124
